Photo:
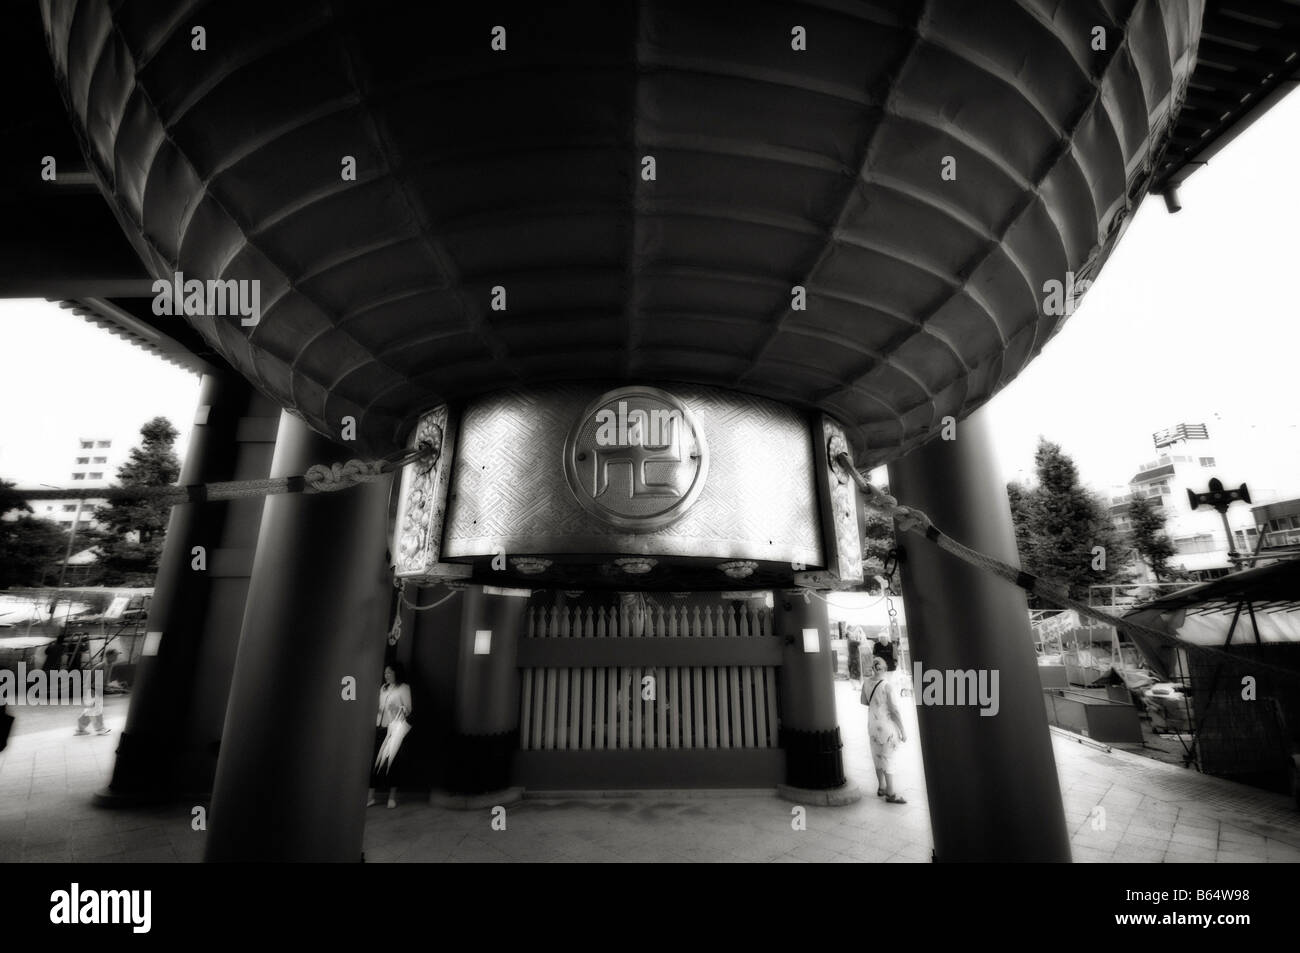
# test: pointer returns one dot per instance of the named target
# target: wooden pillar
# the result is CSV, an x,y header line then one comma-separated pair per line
x,y
487,690
993,788
810,731
294,765
155,747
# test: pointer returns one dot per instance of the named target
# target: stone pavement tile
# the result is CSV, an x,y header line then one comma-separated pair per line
x,y
759,850
478,850
870,854
47,855
153,855
1195,820
1194,838
134,819
1142,842
1239,857
696,855
94,846
1278,852
812,853
1129,855
1105,844
189,853
145,838
1143,829
916,852
1088,855
1179,854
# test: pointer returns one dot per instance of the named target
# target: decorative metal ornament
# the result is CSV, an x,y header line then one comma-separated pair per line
x,y
530,565
422,504
738,568
636,565
636,458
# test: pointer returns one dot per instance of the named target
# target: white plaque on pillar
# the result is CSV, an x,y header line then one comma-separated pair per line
x,y
811,641
422,504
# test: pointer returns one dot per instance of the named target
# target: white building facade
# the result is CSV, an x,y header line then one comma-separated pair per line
x,y
1186,460
93,467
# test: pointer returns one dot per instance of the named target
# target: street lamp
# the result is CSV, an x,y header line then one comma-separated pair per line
x,y
1220,499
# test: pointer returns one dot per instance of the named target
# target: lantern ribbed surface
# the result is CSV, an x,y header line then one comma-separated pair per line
x,y
525,170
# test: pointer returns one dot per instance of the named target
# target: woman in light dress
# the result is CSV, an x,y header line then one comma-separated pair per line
x,y
885,726
394,702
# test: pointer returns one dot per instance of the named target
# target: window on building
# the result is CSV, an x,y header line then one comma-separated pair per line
x,y
104,444
87,444
82,460
1207,461
100,460
69,507
97,476
78,476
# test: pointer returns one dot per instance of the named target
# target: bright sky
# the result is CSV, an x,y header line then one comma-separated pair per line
x,y
1194,319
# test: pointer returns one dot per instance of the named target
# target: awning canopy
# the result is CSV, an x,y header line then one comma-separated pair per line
x,y
1255,606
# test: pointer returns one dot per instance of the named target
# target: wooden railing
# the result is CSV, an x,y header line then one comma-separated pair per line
x,y
652,621
650,706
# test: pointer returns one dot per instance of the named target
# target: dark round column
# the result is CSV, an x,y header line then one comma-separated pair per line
x,y
294,765
487,690
150,749
810,732
993,789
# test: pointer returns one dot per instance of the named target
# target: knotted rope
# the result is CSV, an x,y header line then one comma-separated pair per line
x,y
320,478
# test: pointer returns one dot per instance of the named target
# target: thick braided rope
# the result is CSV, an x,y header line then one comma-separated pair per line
x,y
321,478
911,519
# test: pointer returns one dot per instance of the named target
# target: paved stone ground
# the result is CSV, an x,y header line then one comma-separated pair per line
x,y
1153,812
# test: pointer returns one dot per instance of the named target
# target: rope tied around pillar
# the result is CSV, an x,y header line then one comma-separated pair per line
x,y
911,519
320,478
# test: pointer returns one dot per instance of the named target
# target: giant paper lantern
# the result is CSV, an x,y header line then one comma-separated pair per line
x,y
858,208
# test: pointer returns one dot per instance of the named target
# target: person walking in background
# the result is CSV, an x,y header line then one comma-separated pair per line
x,y
885,726
93,712
394,705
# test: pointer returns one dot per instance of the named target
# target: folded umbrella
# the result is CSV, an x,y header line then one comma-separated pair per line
x,y
398,729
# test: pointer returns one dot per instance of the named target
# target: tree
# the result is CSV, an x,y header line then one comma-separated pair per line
x,y
131,544
11,500
1063,531
877,541
1148,537
30,550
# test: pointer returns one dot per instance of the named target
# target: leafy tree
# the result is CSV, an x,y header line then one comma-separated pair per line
x,y
131,544
1148,537
877,541
1060,523
11,500
30,550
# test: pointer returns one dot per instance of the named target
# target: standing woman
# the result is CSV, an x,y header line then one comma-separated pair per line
x,y
394,702
885,727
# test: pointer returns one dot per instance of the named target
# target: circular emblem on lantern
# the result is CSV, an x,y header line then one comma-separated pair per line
x,y
636,458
